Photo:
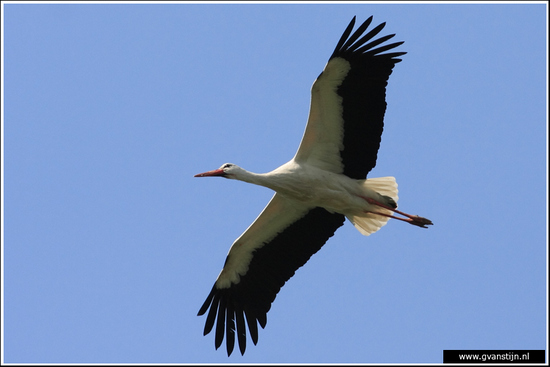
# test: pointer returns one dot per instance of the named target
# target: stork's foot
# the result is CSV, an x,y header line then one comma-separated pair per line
x,y
419,221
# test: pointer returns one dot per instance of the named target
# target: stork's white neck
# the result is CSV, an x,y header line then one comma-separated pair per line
x,y
287,179
261,179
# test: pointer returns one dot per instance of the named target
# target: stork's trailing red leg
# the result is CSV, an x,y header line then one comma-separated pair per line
x,y
412,219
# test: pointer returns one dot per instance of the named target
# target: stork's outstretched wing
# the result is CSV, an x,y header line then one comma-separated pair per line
x,y
348,102
261,260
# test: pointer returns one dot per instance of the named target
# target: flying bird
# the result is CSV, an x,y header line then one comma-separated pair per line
x,y
316,190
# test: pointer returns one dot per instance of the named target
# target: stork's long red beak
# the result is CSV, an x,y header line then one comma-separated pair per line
x,y
216,172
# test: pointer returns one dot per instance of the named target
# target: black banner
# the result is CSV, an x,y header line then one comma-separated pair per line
x,y
494,356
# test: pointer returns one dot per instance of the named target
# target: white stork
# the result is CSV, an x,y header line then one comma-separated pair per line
x,y
316,190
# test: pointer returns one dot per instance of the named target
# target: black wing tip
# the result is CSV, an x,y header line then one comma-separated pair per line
x,y
351,43
226,318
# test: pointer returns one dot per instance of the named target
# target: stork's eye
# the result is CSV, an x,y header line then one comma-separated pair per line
x,y
227,165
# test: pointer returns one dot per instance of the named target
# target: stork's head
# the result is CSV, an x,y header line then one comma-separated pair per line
x,y
227,170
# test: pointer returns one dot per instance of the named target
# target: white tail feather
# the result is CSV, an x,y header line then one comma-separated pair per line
x,y
370,223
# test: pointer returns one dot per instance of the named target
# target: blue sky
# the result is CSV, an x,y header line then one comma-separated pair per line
x,y
111,246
